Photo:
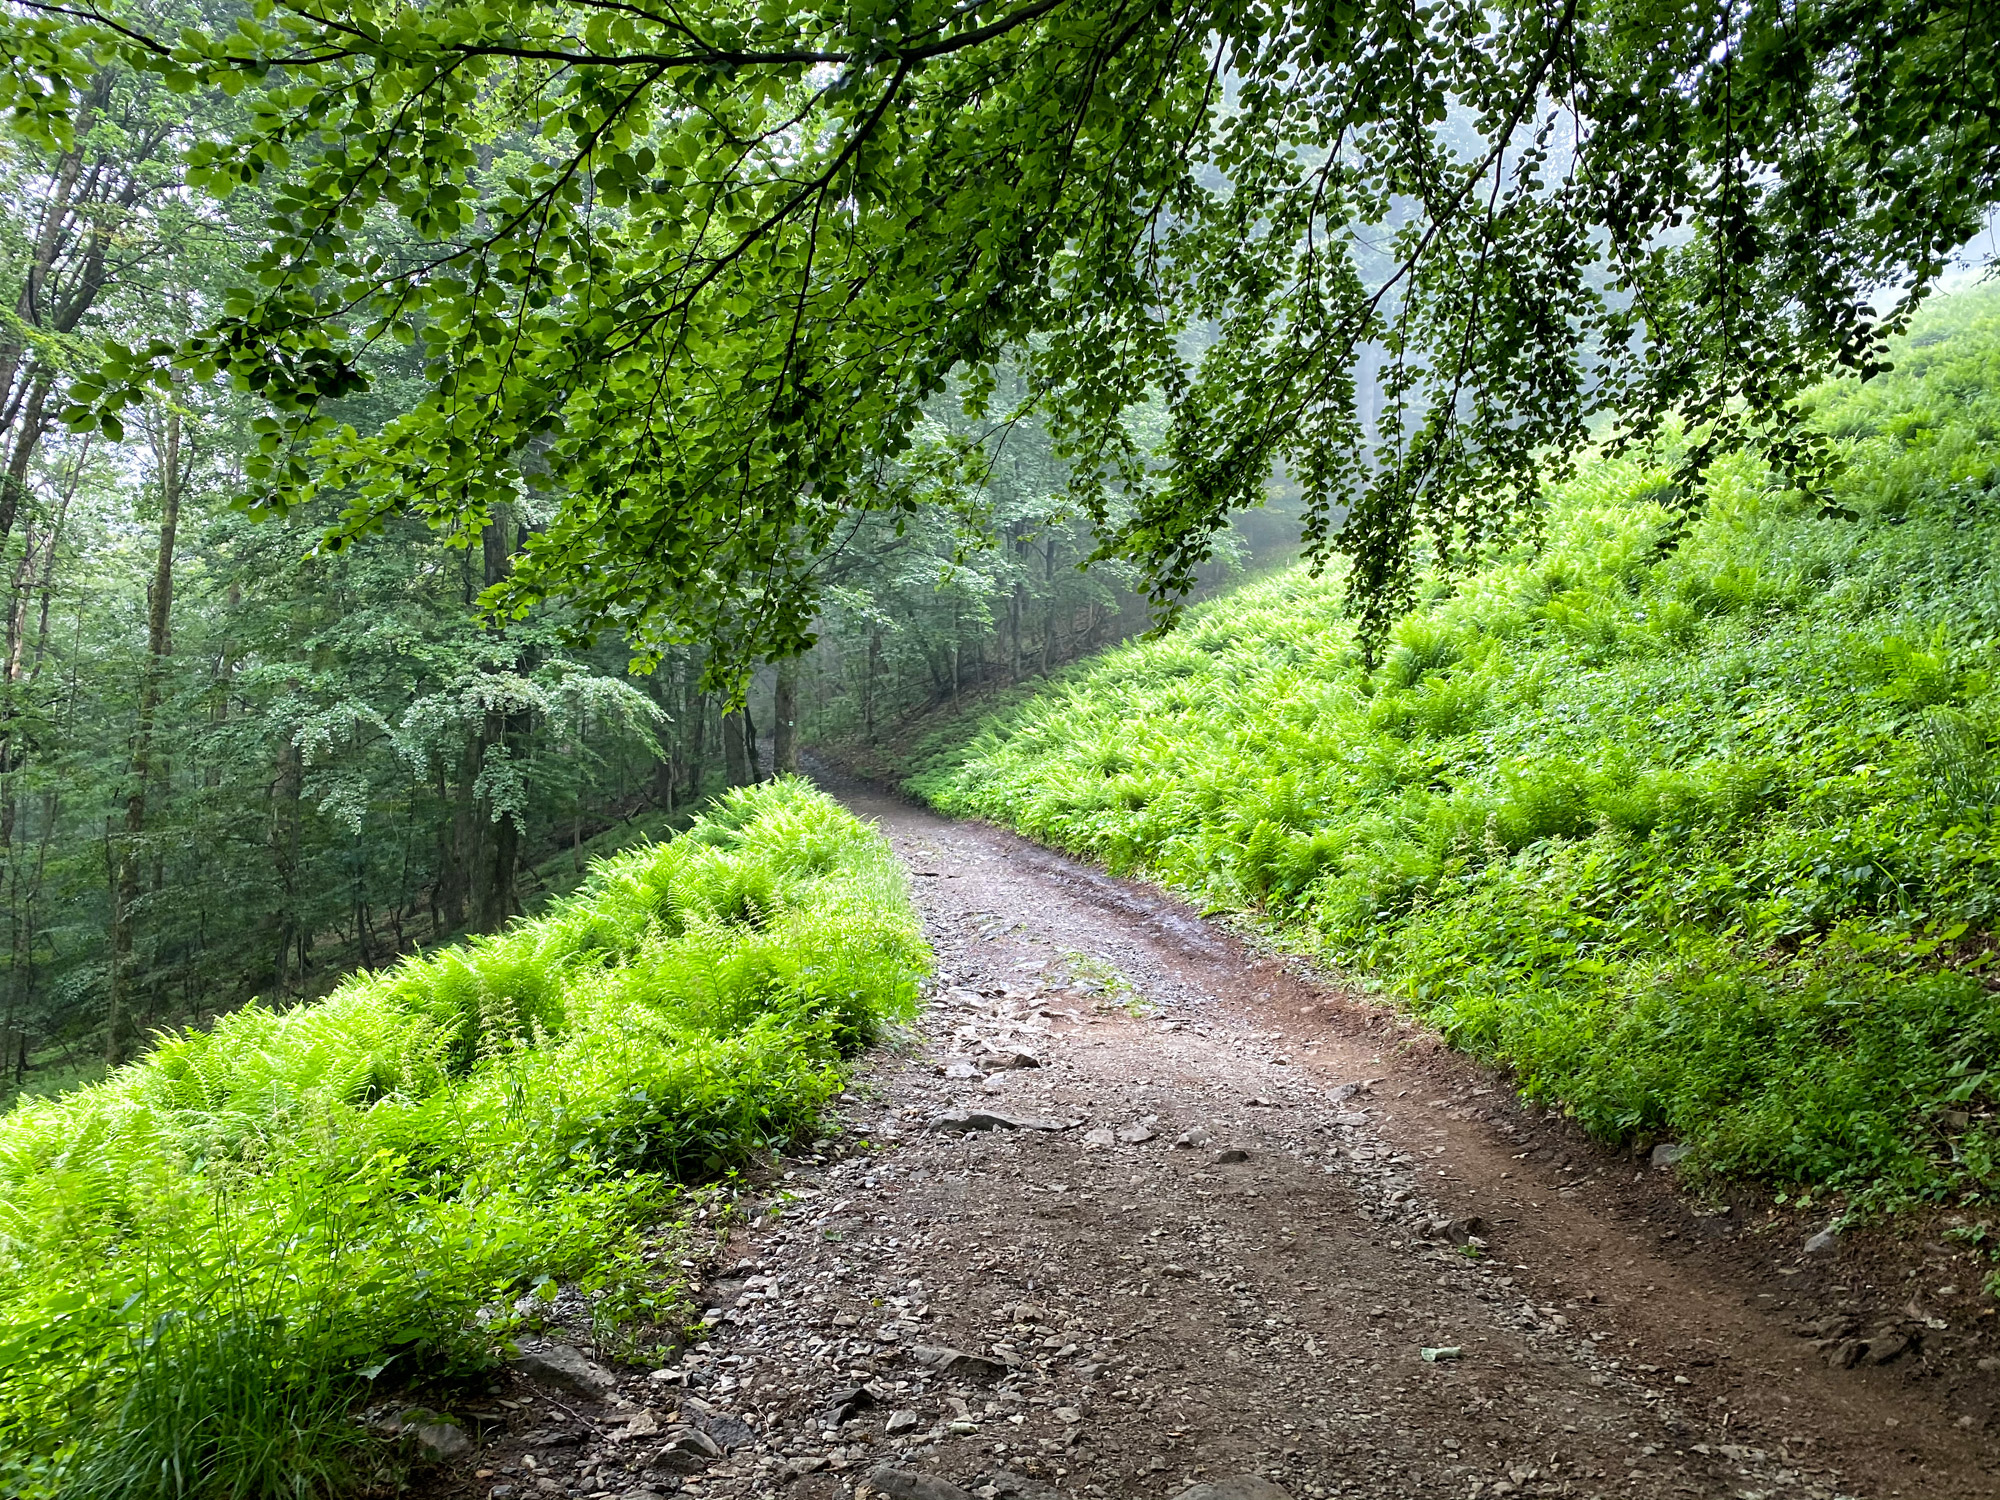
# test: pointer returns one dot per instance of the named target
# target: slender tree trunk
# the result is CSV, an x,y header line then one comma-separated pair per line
x,y
287,784
784,718
1049,611
493,889
736,763
667,773
868,690
1014,628
698,716
159,620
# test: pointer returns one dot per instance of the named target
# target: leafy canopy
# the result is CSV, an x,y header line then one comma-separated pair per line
x,y
694,270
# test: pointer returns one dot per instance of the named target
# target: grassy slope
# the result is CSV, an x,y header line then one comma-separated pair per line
x,y
199,1254
1700,843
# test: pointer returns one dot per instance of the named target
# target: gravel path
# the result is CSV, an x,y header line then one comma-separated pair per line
x,y
1136,1210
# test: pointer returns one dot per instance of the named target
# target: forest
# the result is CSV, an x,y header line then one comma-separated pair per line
x,y
238,764
1495,503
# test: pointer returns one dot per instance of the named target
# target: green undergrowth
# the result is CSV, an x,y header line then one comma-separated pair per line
x,y
1699,841
205,1258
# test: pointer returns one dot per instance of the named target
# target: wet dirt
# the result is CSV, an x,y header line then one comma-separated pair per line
x,y
1234,1220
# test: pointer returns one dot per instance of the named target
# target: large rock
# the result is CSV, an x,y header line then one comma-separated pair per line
x,y
564,1367
1235,1487
909,1484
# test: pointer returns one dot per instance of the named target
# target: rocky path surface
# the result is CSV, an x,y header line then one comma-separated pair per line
x,y
1136,1210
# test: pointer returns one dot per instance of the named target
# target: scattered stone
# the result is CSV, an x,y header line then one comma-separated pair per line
x,y
1352,1121
908,1484
960,1067
1884,1347
1447,1351
957,1363
1228,1155
688,1451
848,1402
1136,1134
564,1366
440,1441
1823,1243
1235,1487
1004,1484
981,1119
1009,1061
1102,1136
640,1424
720,1426
1667,1153
902,1421
1193,1140
1471,1230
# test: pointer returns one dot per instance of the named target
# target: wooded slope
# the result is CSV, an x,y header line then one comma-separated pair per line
x,y
1699,841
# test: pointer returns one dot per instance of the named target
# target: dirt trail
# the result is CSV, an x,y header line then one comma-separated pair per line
x,y
1230,1258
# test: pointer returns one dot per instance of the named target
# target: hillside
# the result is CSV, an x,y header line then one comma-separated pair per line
x,y
207,1258
1699,841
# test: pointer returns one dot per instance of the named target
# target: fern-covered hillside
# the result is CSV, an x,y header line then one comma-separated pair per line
x,y
1700,841
205,1258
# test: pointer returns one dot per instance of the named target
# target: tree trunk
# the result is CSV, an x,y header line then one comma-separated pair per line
x,y
784,719
493,891
286,786
1049,609
736,763
159,619
868,691
666,773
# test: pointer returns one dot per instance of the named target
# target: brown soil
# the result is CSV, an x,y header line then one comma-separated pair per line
x,y
1248,1288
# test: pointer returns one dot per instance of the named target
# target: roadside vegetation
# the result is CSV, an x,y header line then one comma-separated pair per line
x,y
1697,840
206,1258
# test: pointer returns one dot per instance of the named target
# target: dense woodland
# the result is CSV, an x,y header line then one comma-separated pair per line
x,y
444,442
237,763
